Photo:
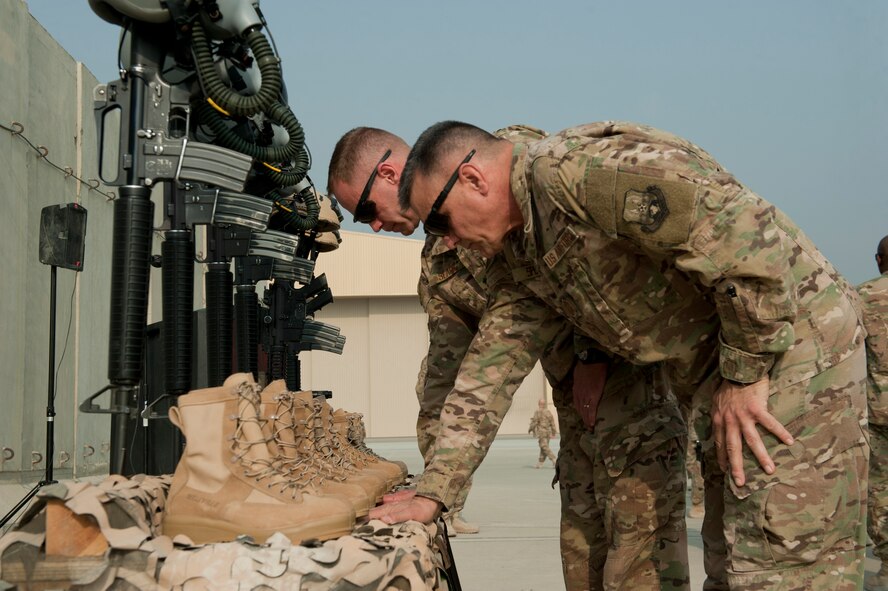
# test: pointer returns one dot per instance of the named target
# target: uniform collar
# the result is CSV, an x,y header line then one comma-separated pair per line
x,y
438,245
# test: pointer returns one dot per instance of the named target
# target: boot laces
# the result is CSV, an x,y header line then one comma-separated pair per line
x,y
326,441
259,469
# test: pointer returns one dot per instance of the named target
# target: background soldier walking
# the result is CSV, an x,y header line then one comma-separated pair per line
x,y
542,426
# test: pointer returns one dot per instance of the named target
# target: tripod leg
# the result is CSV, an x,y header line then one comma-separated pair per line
x,y
21,504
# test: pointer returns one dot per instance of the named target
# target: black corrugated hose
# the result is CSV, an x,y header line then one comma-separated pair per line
x,y
215,88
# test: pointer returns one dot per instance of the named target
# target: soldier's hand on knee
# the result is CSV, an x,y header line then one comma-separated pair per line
x,y
736,410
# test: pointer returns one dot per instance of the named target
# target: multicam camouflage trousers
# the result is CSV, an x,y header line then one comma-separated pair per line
x,y
801,528
545,450
877,513
623,486
877,524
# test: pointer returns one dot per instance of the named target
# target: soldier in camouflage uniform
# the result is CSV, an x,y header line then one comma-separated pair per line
x,y
542,426
874,295
693,463
645,243
622,495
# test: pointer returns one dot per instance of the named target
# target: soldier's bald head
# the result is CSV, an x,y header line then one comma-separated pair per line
x,y
882,255
436,147
357,150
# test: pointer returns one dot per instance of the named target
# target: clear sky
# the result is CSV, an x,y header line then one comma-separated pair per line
x,y
790,95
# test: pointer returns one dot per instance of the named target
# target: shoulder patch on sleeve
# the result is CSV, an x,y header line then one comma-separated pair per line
x,y
654,210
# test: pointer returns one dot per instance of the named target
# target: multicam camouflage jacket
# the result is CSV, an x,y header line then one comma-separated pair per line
x,y
647,244
874,296
453,289
542,424
511,337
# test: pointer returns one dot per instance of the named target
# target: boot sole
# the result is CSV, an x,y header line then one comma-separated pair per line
x,y
207,531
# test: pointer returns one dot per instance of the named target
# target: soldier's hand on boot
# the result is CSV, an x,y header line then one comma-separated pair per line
x,y
588,386
422,509
399,495
736,410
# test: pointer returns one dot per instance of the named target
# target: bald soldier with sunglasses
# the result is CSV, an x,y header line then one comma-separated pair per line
x,y
622,485
645,242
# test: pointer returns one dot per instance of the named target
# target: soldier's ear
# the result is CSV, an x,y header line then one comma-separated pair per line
x,y
389,173
474,177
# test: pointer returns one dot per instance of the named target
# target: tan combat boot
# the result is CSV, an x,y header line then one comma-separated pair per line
x,y
342,453
356,436
457,525
312,439
338,425
304,468
391,470
225,484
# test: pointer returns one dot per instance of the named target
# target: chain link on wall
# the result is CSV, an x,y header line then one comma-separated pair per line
x,y
18,130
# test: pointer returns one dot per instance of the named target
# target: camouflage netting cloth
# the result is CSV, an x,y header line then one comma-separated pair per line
x,y
128,511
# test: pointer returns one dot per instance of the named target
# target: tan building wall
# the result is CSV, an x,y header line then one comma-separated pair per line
x,y
373,279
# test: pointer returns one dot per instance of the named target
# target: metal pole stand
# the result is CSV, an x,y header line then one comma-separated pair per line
x,y
50,406
449,576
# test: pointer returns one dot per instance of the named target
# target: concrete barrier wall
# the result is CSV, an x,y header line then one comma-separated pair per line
x,y
49,95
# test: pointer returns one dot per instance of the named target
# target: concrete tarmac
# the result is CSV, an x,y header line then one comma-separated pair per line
x,y
518,512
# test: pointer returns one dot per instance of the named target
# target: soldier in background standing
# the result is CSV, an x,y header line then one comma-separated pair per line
x,y
694,463
874,295
542,426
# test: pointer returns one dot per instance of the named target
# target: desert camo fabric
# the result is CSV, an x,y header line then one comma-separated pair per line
x,y
375,556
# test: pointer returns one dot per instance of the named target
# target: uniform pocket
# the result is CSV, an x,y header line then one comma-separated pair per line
x,y
809,504
582,298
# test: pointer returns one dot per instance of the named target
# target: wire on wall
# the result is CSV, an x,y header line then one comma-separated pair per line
x,y
18,129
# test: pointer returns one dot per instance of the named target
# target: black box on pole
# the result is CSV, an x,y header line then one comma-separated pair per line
x,y
63,236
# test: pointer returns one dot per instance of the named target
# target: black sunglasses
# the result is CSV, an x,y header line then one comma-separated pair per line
x,y
365,210
438,224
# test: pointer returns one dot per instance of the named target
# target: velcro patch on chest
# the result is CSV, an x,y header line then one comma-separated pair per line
x,y
565,240
655,209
